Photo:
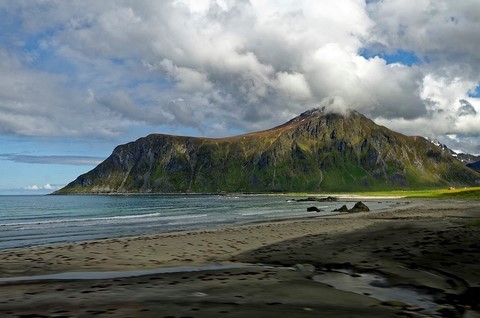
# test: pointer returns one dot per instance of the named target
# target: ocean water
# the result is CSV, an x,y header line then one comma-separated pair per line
x,y
37,220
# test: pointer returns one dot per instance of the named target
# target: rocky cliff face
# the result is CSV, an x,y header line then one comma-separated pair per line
x,y
312,152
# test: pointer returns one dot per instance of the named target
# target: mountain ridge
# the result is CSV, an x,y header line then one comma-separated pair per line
x,y
474,166
315,151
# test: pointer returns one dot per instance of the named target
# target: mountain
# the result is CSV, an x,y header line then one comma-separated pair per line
x,y
474,165
316,151
465,158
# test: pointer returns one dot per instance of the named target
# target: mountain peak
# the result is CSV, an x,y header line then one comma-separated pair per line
x,y
322,111
313,112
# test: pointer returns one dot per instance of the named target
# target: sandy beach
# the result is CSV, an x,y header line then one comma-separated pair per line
x,y
426,246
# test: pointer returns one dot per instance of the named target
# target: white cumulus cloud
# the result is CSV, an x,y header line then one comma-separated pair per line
x,y
41,187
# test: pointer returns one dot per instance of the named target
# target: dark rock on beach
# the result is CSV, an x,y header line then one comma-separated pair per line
x,y
359,207
343,208
317,199
313,209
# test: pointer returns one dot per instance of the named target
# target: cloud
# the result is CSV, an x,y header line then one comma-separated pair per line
x,y
445,31
234,64
466,109
294,85
99,68
38,103
56,160
47,186
445,35
460,143
449,110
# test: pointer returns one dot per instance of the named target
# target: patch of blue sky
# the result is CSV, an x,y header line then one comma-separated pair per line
x,y
55,147
17,177
159,82
9,26
27,162
404,57
475,93
45,58
118,61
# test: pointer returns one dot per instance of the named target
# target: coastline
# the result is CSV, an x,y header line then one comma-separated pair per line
x,y
282,243
57,220
200,247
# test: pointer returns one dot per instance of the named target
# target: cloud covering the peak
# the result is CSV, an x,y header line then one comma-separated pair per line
x,y
98,68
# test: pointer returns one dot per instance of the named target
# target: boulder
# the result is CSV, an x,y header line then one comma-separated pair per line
x,y
343,208
359,207
313,209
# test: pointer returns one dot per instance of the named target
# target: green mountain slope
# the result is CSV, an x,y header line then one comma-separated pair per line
x,y
315,151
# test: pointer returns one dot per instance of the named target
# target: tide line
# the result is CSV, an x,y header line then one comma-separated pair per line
x,y
123,274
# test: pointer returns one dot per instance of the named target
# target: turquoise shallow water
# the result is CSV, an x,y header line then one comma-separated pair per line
x,y
36,220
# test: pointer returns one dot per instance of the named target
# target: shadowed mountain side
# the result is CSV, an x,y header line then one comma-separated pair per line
x,y
475,165
312,152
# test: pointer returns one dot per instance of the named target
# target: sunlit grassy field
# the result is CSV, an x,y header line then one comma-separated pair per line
x,y
467,193
444,193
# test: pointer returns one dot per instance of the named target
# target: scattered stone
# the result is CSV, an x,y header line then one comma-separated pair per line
x,y
343,208
313,209
359,207
317,199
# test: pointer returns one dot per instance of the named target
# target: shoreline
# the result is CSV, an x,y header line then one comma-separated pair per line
x,y
300,214
171,242
431,234
231,194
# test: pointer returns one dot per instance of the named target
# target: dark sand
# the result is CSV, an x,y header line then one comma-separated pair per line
x,y
426,245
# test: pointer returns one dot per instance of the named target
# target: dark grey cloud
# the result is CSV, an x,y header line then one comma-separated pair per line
x,y
466,109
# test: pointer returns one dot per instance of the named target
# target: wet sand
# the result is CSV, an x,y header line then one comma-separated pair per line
x,y
425,244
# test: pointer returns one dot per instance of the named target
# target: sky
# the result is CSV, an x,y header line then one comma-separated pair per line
x,y
79,77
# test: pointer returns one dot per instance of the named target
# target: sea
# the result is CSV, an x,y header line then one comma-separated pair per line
x,y
37,220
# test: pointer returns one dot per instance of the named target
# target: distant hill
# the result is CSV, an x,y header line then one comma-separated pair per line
x,y
467,158
475,166
316,151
